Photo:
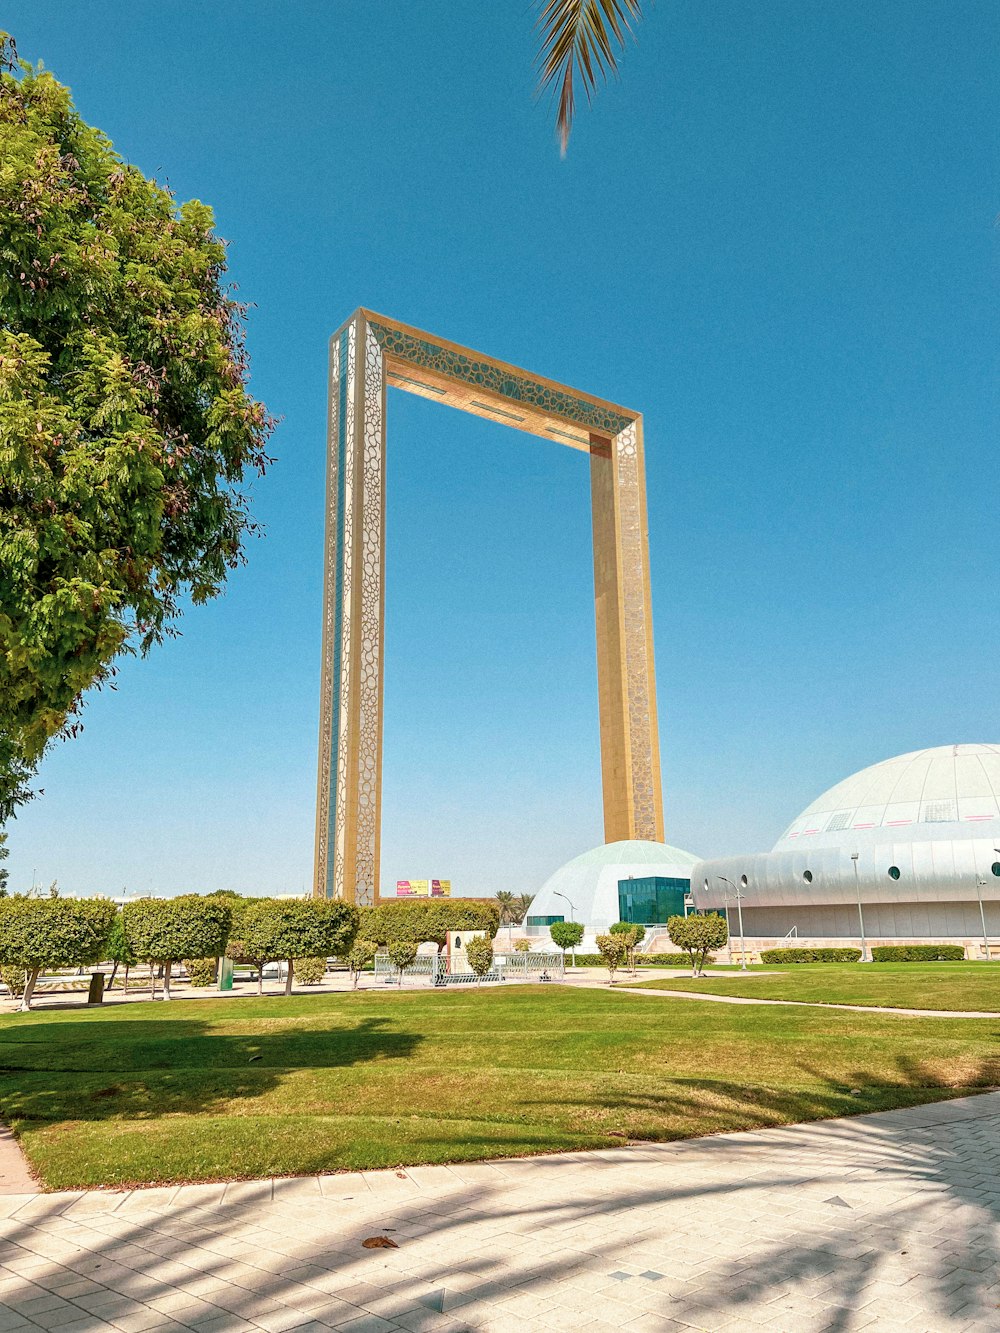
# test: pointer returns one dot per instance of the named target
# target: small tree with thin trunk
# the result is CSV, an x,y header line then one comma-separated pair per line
x,y
36,933
359,957
164,931
402,954
632,935
479,952
612,950
119,952
697,935
566,934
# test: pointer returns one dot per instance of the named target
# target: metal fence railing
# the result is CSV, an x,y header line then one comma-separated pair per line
x,y
442,970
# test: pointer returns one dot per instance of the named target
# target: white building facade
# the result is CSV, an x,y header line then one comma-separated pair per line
x,y
908,848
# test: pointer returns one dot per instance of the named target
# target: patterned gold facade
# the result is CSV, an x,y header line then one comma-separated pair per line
x,y
368,354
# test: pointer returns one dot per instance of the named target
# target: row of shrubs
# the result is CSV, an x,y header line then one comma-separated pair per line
x,y
882,953
643,960
810,955
918,953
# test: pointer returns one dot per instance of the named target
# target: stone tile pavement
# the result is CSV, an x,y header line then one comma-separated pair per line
x,y
888,1222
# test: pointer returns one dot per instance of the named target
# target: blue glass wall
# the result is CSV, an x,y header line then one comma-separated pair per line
x,y
650,901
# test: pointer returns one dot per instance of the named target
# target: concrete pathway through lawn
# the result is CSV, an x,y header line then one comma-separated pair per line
x,y
813,1004
887,1222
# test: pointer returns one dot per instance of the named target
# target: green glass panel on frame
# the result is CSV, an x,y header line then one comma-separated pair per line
x,y
543,920
651,901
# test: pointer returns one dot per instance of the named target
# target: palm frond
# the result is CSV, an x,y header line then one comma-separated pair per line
x,y
581,37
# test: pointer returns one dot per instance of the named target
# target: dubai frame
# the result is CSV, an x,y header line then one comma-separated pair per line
x,y
367,355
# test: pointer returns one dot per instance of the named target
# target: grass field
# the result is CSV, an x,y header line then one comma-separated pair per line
x,y
243,1088
974,986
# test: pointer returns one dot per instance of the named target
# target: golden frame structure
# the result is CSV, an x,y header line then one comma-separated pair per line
x,y
367,355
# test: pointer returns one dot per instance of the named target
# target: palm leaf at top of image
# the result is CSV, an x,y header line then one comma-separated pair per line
x,y
581,37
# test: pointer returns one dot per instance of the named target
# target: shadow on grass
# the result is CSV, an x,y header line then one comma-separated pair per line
x,y
74,1070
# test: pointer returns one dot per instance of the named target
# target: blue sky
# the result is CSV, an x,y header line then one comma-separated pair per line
x,y
775,237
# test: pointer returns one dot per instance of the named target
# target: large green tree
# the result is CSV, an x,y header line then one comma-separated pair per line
x,y
36,933
266,930
126,427
163,931
424,920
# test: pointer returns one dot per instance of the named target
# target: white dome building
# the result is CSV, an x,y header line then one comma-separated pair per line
x,y
617,881
910,845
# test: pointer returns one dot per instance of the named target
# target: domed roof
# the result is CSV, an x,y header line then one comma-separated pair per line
x,y
586,888
633,851
949,784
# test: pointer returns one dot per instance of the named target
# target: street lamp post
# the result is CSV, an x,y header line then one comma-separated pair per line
x,y
980,885
861,915
572,909
738,895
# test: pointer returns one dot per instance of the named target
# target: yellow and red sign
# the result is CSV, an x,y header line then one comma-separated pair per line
x,y
423,888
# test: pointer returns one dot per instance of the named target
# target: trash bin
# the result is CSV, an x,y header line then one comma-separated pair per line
x,y
96,993
225,973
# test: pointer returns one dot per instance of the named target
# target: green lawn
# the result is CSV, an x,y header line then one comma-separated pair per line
x,y
172,1092
973,986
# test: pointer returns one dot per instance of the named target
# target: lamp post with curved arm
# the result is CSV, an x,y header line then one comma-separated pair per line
x,y
572,909
738,895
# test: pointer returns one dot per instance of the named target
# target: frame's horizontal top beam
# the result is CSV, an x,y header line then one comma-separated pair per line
x,y
435,368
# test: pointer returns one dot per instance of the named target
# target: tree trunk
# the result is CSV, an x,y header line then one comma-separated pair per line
x,y
31,977
152,980
288,978
125,980
166,980
114,969
260,975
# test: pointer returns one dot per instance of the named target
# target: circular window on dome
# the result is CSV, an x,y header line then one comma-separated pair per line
x,y
894,872
995,867
807,875
706,883
743,881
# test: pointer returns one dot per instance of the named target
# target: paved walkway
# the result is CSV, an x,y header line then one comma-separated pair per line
x,y
813,1004
887,1222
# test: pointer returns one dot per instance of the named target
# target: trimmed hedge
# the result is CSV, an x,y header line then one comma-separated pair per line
x,y
201,971
309,971
918,953
642,960
810,955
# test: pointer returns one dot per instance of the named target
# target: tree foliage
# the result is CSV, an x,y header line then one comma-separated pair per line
x,y
631,935
119,951
402,954
167,930
268,930
580,39
612,950
359,957
566,934
309,971
479,951
126,427
36,933
427,921
201,971
696,935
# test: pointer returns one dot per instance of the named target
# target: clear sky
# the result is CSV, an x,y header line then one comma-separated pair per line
x,y
775,237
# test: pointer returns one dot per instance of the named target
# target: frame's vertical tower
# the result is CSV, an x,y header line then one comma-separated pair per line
x,y
349,796
366,354
630,751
